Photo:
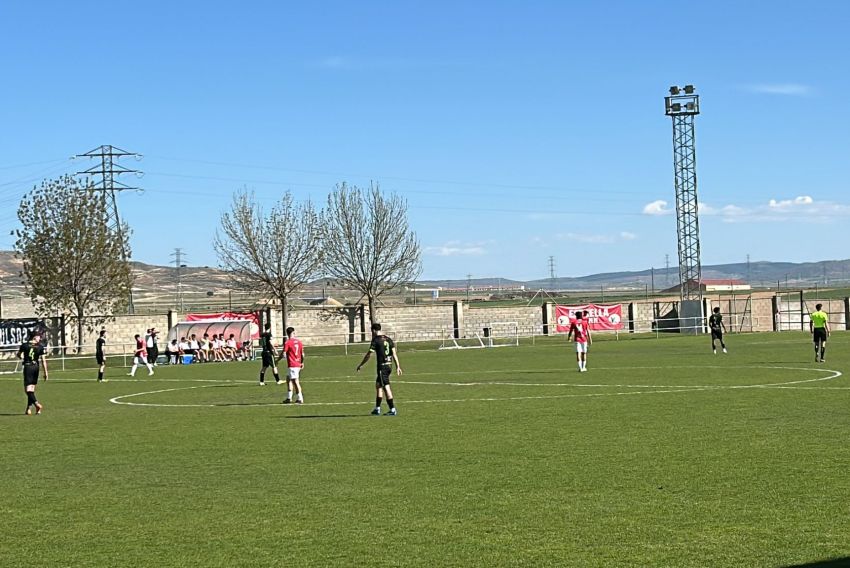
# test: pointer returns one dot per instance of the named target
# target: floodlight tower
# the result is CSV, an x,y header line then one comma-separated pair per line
x,y
682,105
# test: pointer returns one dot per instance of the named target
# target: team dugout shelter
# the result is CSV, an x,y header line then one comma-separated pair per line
x,y
241,330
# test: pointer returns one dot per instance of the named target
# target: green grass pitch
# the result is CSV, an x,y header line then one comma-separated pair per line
x,y
662,454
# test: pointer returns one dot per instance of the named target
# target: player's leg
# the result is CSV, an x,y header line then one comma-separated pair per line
x,y
134,367
578,355
148,365
722,343
379,395
289,385
713,342
584,357
388,391
816,339
822,345
295,378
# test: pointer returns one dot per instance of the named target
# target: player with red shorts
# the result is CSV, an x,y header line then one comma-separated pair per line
x,y
293,349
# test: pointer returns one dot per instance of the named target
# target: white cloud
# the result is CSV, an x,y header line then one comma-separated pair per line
x,y
657,207
786,89
800,208
627,236
457,248
790,203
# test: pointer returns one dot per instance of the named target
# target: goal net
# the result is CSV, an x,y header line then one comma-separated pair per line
x,y
493,334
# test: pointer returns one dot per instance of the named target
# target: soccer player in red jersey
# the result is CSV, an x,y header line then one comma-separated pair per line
x,y
581,331
294,351
140,357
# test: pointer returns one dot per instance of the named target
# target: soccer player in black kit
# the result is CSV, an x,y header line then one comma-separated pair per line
x,y
98,354
269,354
715,322
385,353
32,352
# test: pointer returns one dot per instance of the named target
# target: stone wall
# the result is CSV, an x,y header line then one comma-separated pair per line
x,y
437,322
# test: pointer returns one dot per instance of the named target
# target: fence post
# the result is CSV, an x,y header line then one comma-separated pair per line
x,y
802,312
846,313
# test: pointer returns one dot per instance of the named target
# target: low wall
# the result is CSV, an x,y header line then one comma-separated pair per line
x,y
325,325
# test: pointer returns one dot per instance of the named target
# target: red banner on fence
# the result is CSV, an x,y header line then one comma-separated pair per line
x,y
599,317
254,317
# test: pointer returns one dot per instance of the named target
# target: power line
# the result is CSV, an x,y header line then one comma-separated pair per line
x,y
108,171
179,256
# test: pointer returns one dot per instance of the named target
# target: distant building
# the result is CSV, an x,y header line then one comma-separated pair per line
x,y
709,285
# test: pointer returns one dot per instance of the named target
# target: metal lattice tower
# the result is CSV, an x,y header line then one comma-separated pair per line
x,y
108,170
682,105
551,272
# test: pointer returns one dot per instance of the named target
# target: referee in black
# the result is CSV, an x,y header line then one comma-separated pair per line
x,y
32,352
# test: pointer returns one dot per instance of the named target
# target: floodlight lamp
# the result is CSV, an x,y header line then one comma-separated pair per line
x,y
690,106
676,107
674,91
689,89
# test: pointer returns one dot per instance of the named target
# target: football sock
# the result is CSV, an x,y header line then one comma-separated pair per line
x,y
100,375
288,395
300,397
277,376
390,403
378,402
262,376
31,400
822,351
133,369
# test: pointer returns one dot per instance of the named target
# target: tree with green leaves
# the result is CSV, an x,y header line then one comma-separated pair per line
x,y
272,252
369,245
74,256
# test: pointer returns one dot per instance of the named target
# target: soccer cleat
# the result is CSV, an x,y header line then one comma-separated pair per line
x,y
262,383
277,382
287,401
129,374
724,350
150,374
714,351
299,402
28,411
376,411
583,370
38,407
392,412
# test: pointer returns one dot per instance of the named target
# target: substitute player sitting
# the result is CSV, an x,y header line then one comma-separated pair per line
x,y
580,330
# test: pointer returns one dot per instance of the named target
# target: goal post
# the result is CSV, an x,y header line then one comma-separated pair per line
x,y
492,334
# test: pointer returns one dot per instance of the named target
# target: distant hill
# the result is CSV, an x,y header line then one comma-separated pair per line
x,y
158,281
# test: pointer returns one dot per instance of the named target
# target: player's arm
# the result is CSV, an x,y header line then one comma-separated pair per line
x,y
395,358
44,364
589,337
826,327
365,358
723,325
811,324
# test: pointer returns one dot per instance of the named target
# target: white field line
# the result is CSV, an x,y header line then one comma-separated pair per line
x,y
654,389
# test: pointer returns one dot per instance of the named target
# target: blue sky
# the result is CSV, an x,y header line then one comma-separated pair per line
x,y
516,130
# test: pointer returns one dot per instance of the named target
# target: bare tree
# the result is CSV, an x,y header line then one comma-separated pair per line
x,y
73,257
369,245
273,253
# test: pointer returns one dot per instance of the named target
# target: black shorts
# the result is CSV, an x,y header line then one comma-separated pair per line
x,y
717,334
268,360
819,335
30,375
383,378
100,358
